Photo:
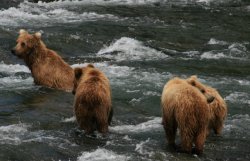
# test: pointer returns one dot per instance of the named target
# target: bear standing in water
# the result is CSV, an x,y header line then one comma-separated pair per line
x,y
185,107
92,105
47,67
218,106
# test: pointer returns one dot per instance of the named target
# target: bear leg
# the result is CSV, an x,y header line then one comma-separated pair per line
x,y
102,120
186,141
87,125
200,141
218,126
110,116
170,131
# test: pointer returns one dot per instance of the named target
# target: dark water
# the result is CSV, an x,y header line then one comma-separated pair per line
x,y
140,45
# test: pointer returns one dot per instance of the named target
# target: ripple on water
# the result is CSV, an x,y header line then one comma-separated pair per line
x,y
151,125
238,126
102,154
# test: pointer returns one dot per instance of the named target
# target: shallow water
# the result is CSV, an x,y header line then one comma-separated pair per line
x,y
139,45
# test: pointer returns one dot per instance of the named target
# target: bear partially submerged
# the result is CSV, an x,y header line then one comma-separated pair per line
x,y
185,107
47,67
92,105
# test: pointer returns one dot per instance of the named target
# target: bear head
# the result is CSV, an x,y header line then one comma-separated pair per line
x,y
193,80
26,43
79,73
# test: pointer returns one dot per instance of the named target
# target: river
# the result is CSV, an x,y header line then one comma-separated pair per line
x,y
139,45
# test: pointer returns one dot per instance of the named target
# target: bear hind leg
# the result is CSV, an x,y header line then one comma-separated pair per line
x,y
200,141
170,128
186,141
102,120
87,125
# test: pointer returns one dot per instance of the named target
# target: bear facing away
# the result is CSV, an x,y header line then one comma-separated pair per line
x,y
47,67
92,104
218,106
185,107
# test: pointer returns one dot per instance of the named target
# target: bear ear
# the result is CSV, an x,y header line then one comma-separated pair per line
x,y
194,77
191,81
22,31
78,73
90,66
38,35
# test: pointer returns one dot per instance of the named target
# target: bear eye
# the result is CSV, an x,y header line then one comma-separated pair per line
x,y
23,44
193,83
202,91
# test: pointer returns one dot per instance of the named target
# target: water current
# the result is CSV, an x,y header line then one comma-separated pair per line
x,y
139,45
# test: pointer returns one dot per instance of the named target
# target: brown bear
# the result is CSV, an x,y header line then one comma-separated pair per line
x,y
92,105
185,107
47,67
218,106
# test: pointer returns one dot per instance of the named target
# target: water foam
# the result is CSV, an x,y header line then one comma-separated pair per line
x,y
13,68
151,125
17,134
112,71
208,2
16,82
46,137
140,148
36,14
212,55
101,155
63,3
15,76
105,2
238,97
213,41
10,134
130,49
71,119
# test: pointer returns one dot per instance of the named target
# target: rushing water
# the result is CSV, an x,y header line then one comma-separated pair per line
x,y
139,45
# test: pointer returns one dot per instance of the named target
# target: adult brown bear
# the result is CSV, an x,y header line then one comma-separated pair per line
x,y
185,107
47,67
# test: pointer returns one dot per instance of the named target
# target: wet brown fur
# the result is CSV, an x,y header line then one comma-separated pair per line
x,y
218,107
186,108
47,67
92,104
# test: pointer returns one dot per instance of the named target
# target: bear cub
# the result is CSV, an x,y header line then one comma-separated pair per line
x,y
92,104
218,106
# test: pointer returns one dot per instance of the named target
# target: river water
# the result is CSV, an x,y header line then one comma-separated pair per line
x,y
139,45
